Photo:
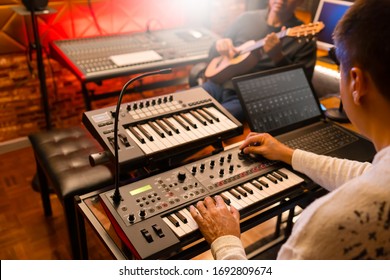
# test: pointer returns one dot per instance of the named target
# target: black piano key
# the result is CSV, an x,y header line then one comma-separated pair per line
x,y
171,125
247,189
225,199
181,217
204,115
188,120
144,132
265,184
180,121
235,194
277,176
198,117
173,221
164,127
156,129
241,191
258,185
137,135
271,178
211,114
284,175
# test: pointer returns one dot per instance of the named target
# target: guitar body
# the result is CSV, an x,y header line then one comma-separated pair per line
x,y
223,68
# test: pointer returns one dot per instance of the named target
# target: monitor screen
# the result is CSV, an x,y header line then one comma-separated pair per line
x,y
329,12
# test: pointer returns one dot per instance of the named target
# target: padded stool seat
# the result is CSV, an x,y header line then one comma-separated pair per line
x,y
62,163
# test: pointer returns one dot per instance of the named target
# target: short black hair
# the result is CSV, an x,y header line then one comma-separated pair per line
x,y
362,39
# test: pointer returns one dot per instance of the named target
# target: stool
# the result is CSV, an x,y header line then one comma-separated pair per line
x,y
62,162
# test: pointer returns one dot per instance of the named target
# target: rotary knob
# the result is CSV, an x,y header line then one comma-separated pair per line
x,y
142,213
131,218
181,176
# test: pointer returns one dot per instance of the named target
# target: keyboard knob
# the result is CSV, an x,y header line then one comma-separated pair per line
x,y
181,176
212,163
222,160
221,172
231,168
193,169
142,213
202,167
131,218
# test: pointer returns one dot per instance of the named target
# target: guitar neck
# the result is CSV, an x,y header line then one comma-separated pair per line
x,y
260,43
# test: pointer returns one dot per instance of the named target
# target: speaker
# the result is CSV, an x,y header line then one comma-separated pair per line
x,y
39,5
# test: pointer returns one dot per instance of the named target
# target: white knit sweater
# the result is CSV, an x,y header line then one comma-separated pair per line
x,y
351,222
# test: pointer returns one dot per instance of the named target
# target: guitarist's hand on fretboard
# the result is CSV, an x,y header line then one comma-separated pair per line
x,y
273,47
226,48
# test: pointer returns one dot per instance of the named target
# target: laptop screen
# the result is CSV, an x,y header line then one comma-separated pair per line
x,y
278,100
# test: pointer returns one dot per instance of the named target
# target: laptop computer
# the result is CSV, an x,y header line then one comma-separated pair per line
x,y
283,103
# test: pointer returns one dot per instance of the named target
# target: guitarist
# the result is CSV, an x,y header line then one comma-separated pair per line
x,y
255,25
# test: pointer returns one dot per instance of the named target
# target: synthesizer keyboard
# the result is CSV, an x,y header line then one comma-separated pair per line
x,y
103,57
158,128
153,220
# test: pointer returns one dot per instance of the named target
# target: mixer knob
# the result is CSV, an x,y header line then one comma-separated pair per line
x,y
128,107
131,218
159,100
193,169
231,168
147,103
181,176
221,172
153,102
170,98
202,167
229,157
135,106
222,159
241,155
141,105
165,99
212,163
142,213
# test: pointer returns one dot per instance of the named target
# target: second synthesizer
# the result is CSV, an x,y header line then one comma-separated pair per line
x,y
159,128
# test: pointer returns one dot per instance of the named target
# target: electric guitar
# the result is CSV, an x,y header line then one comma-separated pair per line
x,y
223,68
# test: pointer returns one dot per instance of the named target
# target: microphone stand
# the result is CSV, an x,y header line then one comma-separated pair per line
x,y
116,198
41,68
337,114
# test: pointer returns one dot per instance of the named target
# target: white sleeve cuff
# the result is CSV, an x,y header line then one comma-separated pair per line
x,y
228,247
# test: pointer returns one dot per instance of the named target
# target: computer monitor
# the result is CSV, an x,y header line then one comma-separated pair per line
x,y
329,12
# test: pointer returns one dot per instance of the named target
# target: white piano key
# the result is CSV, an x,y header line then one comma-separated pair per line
x,y
186,228
200,127
256,192
191,132
160,141
177,230
292,176
187,137
234,201
158,144
227,123
247,199
145,148
191,221
149,143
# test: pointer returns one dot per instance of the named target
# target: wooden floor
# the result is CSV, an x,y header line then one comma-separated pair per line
x,y
26,234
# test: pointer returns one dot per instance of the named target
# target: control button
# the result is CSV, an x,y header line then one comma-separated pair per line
x,y
147,235
157,229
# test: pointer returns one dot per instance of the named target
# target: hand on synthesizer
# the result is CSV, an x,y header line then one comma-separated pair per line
x,y
266,145
215,219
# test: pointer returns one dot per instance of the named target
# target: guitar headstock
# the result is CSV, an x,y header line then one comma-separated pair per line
x,y
306,30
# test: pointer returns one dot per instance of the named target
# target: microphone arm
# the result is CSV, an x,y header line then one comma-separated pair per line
x,y
117,196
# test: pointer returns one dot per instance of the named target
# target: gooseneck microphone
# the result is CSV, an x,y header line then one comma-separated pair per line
x,y
117,196
337,114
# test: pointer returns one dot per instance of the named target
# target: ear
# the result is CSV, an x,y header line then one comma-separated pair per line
x,y
358,84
